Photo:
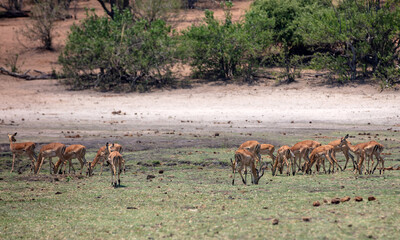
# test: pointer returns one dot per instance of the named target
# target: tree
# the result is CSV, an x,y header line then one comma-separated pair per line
x,y
361,35
280,18
222,49
44,14
119,4
118,53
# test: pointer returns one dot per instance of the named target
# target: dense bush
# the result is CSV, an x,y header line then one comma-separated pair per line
x,y
119,54
279,18
222,49
363,36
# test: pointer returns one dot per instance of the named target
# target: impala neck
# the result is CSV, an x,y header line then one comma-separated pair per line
x,y
351,147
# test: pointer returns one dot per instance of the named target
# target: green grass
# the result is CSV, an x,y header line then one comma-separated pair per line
x,y
194,198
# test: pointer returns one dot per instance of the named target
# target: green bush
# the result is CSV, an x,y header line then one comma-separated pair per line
x,y
363,37
221,49
118,54
279,20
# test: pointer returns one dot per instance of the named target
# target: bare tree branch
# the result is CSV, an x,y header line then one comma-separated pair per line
x,y
26,76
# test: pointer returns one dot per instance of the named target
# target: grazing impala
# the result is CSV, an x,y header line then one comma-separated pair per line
x,y
337,146
74,151
24,148
302,149
376,151
117,164
102,154
284,155
254,147
325,151
268,149
49,151
360,150
245,158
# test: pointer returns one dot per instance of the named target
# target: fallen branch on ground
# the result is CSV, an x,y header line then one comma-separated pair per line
x,y
28,77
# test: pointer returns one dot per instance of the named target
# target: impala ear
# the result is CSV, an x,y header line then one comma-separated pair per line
x,y
15,134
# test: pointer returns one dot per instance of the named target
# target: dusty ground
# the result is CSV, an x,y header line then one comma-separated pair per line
x,y
45,111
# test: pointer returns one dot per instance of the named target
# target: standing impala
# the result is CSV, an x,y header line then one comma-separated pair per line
x,y
302,149
117,164
74,151
376,151
24,148
245,158
101,156
268,149
49,151
361,150
325,151
252,146
337,146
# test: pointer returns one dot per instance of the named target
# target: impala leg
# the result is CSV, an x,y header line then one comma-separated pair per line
x,y
360,164
101,166
346,155
292,166
241,175
32,162
112,176
82,164
287,167
275,165
119,173
71,165
13,161
40,165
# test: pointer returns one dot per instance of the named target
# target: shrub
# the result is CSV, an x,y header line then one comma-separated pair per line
x,y
221,49
279,20
118,54
44,14
363,37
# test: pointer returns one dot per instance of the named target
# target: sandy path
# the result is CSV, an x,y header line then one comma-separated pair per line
x,y
46,107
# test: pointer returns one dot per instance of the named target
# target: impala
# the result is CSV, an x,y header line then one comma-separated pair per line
x,y
302,149
360,150
268,149
49,151
74,151
244,158
117,164
24,148
284,155
337,146
376,151
325,151
254,147
102,154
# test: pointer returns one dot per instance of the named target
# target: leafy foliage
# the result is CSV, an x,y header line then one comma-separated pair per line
x,y
363,37
222,49
279,18
118,54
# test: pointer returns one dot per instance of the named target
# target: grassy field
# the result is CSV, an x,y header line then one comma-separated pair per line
x,y
190,195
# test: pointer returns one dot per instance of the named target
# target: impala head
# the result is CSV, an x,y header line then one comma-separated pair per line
x,y
11,137
343,140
